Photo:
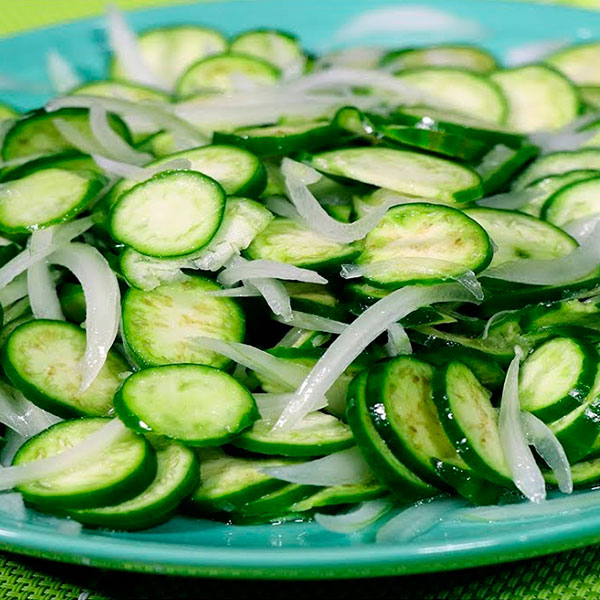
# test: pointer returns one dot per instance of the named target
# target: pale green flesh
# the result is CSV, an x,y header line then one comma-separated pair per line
x,y
169,215
170,51
398,170
460,90
519,236
410,410
285,241
7,112
423,241
109,467
282,51
48,355
477,418
242,221
464,57
231,167
160,325
549,185
41,198
173,462
575,202
549,373
221,72
188,402
539,98
579,63
314,429
340,494
558,163
591,95
223,475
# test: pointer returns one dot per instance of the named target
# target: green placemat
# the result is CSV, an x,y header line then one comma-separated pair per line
x,y
567,576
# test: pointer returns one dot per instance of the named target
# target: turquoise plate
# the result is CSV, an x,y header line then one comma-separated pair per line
x,y
295,550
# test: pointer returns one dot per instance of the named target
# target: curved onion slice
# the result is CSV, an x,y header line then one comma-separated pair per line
x,y
49,239
263,268
298,177
358,518
14,291
418,519
42,292
340,468
525,472
124,169
114,145
313,322
76,138
494,319
542,438
243,291
581,262
102,300
398,340
581,228
357,336
124,45
511,200
61,73
270,406
78,454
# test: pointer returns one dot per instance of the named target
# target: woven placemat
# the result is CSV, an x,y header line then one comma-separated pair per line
x,y
567,576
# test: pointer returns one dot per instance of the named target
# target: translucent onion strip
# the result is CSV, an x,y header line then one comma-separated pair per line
x,y
14,291
263,268
42,292
86,450
313,322
525,472
61,73
270,406
581,228
102,300
398,341
358,518
542,438
124,169
511,200
357,336
340,468
76,138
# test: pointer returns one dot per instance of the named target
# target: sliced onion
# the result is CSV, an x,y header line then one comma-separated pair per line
x,y
285,372
61,73
582,228
580,263
263,268
16,310
360,57
559,141
493,159
14,291
114,145
295,334
270,406
532,52
398,341
102,300
50,239
358,518
243,291
542,438
42,292
418,519
86,450
13,442
357,336
76,138
494,319
422,265
12,505
298,177
22,416
123,169
159,114
511,200
125,46
524,470
275,295
340,468
313,322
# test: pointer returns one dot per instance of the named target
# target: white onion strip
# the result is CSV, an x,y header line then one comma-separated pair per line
x,y
21,415
275,295
546,444
263,268
14,291
347,467
125,46
313,322
511,200
357,336
42,292
270,406
51,239
298,177
398,341
124,169
582,227
86,450
525,472
243,291
358,518
61,73
102,299
76,138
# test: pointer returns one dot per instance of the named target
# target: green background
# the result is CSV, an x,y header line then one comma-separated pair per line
x,y
566,576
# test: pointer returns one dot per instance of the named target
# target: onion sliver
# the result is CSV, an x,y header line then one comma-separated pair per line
x,y
263,268
358,518
313,322
398,340
102,300
61,73
525,472
357,336
42,292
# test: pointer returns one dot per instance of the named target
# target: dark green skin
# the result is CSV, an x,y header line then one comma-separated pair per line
x,y
456,433
130,486
497,180
71,159
547,207
277,502
468,484
377,405
150,516
386,468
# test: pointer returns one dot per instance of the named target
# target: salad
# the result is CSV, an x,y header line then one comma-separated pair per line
x,y
248,283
